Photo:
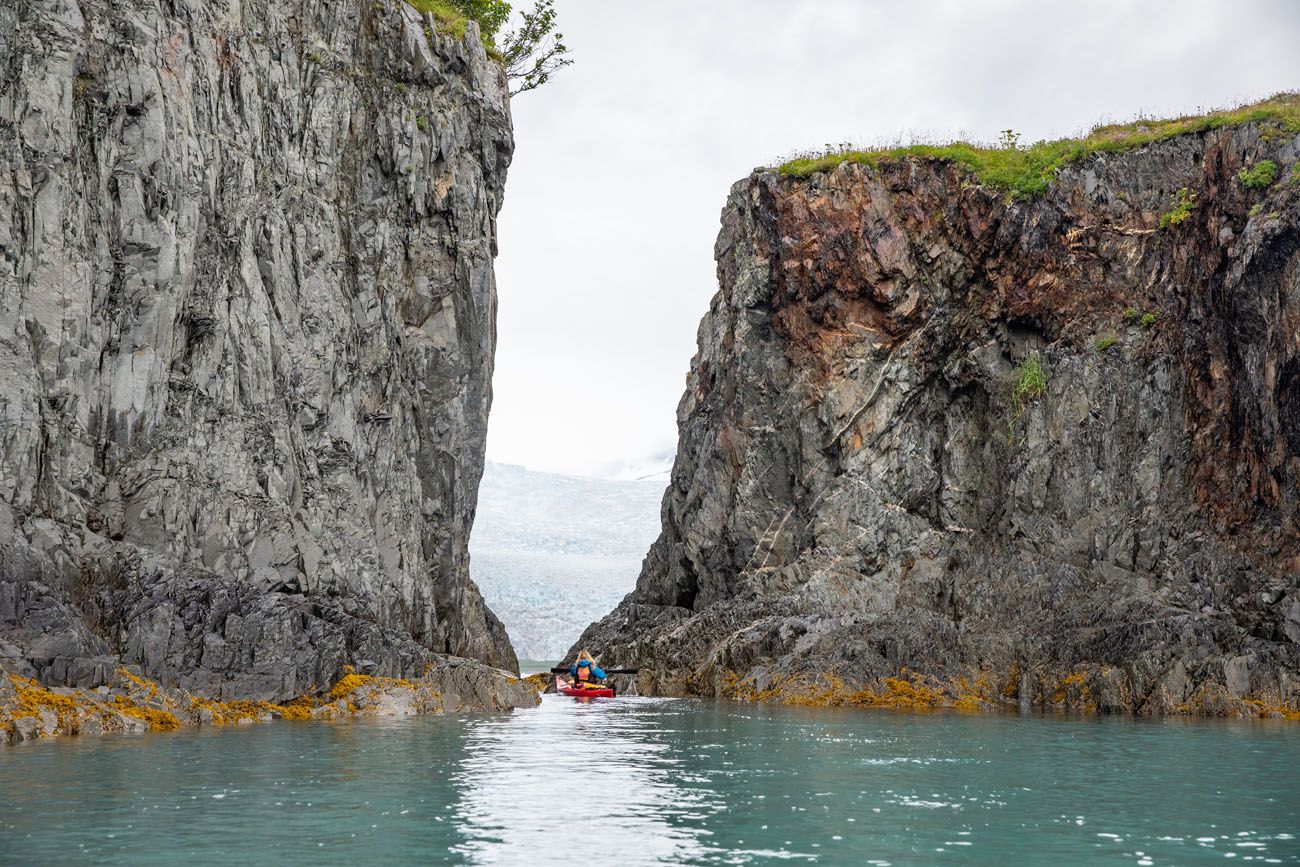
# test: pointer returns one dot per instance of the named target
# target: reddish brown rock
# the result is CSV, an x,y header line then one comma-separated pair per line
x,y
860,488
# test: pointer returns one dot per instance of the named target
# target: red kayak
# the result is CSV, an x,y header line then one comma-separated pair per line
x,y
582,690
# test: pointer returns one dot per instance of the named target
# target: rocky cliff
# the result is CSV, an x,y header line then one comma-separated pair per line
x,y
1038,448
246,338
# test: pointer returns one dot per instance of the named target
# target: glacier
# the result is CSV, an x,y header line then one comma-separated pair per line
x,y
551,553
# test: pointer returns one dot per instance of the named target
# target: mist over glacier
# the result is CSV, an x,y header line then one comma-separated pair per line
x,y
553,552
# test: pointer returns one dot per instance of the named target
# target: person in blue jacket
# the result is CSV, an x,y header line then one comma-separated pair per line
x,y
585,670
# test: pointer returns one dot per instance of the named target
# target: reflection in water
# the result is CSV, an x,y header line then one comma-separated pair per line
x,y
575,780
648,781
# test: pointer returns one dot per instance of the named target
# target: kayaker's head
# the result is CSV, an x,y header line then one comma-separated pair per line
x,y
584,656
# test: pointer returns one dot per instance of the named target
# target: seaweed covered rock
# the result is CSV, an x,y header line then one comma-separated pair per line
x,y
246,339
1048,442
134,704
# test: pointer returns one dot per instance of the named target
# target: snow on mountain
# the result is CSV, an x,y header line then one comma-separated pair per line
x,y
655,467
552,553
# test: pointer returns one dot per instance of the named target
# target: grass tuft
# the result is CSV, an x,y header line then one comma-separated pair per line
x,y
1026,172
1031,381
1104,343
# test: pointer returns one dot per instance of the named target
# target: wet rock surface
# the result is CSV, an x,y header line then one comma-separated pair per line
x,y
246,337
869,483
133,704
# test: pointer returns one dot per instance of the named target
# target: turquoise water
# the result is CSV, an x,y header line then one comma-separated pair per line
x,y
659,781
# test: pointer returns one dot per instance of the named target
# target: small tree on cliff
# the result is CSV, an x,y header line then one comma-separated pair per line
x,y
534,50
530,53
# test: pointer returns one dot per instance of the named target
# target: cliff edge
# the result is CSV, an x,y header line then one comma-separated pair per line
x,y
976,427
246,339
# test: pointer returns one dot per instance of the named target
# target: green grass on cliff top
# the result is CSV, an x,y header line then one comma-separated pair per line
x,y
1027,171
453,15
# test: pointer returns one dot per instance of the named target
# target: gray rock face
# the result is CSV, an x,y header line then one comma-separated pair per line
x,y
246,337
860,489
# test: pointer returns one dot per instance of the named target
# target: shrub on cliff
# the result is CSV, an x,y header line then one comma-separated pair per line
x,y
530,54
1258,176
536,50
1184,204
453,15
491,15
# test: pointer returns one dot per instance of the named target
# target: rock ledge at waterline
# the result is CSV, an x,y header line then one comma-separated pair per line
x,y
942,444
246,336
133,704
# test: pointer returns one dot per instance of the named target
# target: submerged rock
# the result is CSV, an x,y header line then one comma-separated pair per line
x,y
246,337
26,728
1045,444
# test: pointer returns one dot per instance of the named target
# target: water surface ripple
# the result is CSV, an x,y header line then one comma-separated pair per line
x,y
660,781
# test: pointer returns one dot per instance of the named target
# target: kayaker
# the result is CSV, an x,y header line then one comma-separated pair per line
x,y
586,670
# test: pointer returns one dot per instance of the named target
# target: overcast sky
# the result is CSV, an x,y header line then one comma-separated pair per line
x,y
623,161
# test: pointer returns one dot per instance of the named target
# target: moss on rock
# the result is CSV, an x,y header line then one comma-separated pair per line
x,y
1027,171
